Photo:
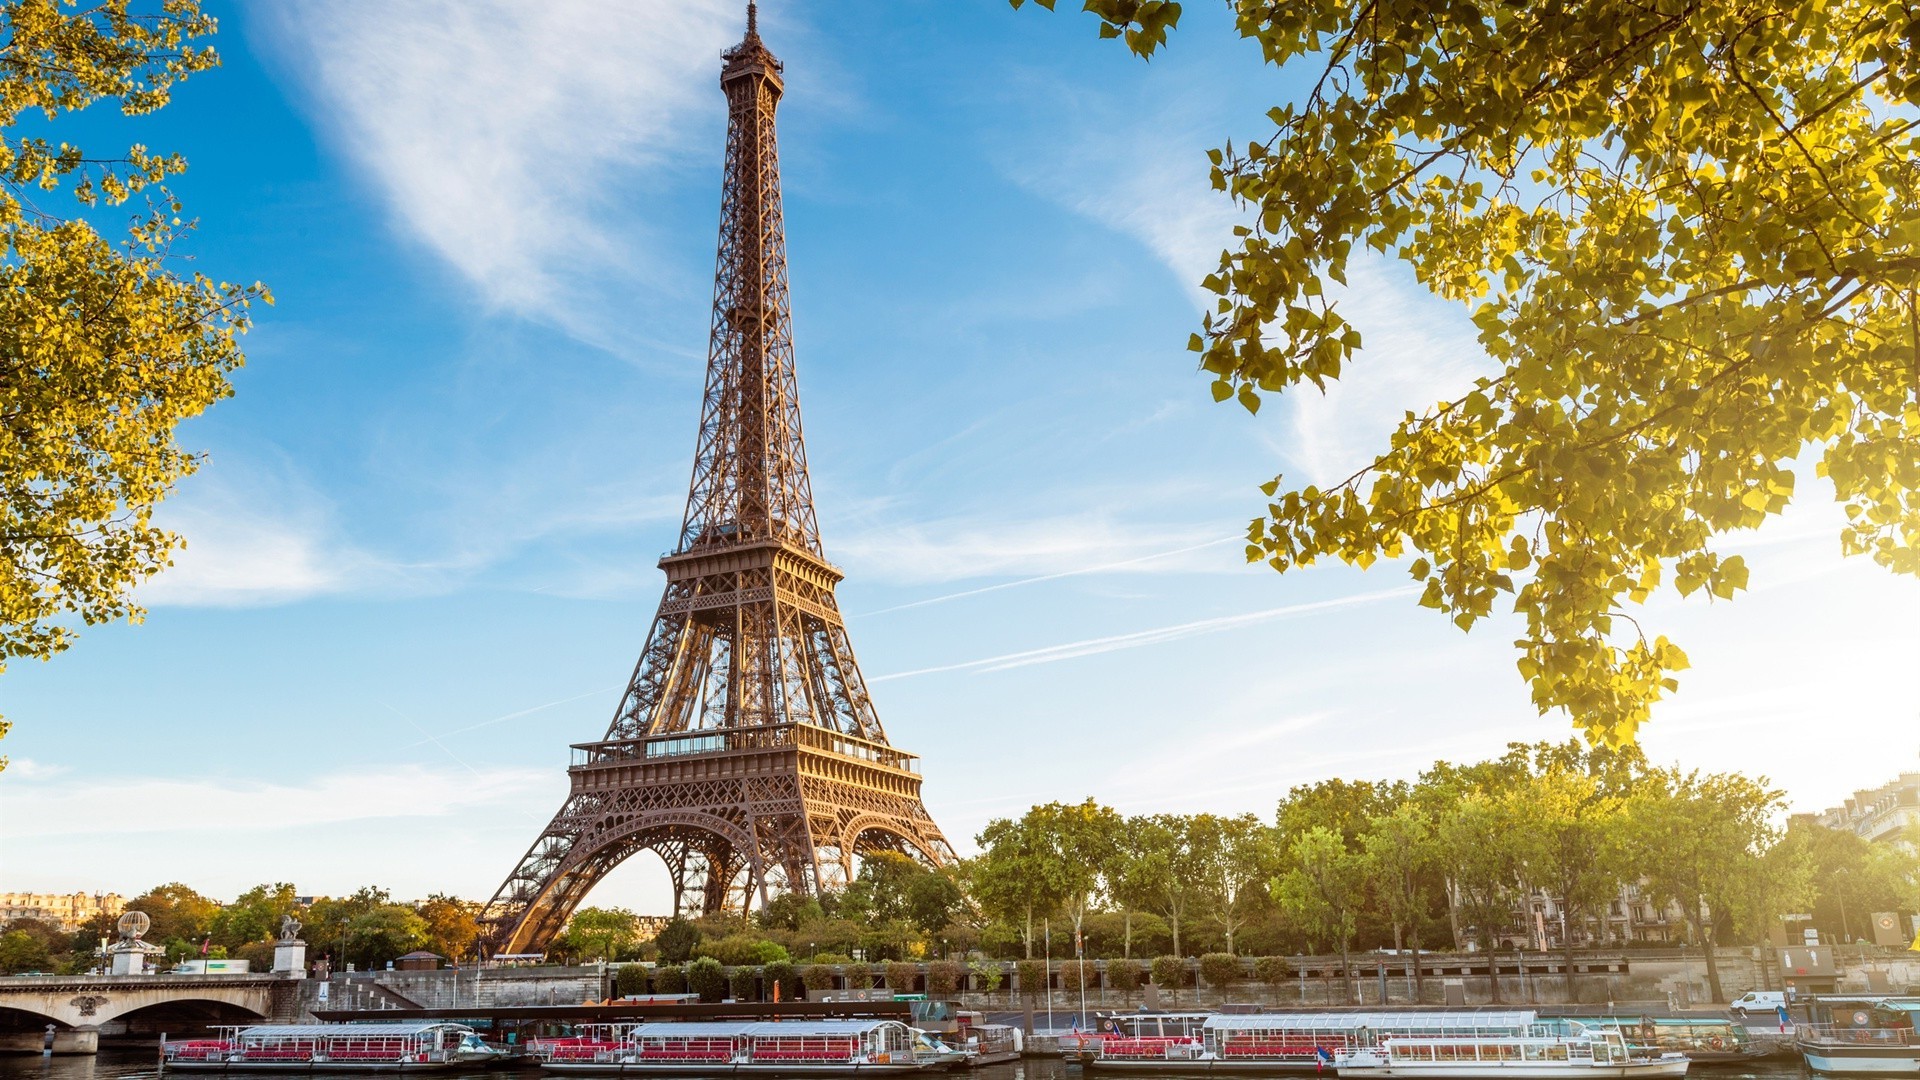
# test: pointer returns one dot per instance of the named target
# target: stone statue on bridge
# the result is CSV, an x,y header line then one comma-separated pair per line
x,y
290,928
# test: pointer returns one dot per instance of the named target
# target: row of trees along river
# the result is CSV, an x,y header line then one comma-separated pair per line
x,y
1451,860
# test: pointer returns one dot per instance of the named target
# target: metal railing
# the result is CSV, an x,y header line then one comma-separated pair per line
x,y
1838,1035
726,740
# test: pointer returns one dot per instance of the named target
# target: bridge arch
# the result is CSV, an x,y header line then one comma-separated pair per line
x,y
93,1001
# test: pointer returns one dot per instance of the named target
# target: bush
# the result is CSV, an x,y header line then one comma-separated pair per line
x,y
732,950
900,976
1032,976
831,958
1169,972
707,978
744,983
818,977
1272,970
1123,975
1221,970
1076,974
669,979
859,976
677,940
630,979
787,977
944,978
989,974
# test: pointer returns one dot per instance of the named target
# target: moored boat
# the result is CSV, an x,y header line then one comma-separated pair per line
x,y
380,1047
714,1048
1704,1039
1256,1043
1138,1040
1864,1036
992,1044
1558,1049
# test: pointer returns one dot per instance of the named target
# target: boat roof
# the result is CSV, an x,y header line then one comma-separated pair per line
x,y
713,1029
1349,1021
416,1027
1675,1021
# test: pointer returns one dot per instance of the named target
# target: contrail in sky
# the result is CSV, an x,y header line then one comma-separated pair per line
x,y
1139,638
430,739
1049,577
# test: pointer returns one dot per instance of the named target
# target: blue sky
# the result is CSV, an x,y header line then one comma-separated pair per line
x,y
422,550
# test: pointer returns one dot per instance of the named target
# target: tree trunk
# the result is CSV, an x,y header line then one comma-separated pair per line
x,y
1346,972
1566,955
1419,982
1175,923
1126,935
1027,938
1713,965
1493,971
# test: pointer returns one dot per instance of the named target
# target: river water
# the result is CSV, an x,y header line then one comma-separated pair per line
x,y
140,1065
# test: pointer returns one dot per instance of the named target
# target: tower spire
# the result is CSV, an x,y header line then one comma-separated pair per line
x,y
753,21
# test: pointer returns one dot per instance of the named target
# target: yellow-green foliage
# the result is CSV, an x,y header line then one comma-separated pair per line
x,y
104,346
1689,235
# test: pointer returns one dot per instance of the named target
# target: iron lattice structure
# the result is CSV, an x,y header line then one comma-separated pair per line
x,y
746,751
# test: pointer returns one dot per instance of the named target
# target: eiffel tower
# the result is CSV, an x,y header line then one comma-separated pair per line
x,y
746,751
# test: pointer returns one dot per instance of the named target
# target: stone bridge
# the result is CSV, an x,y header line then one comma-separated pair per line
x,y
83,1007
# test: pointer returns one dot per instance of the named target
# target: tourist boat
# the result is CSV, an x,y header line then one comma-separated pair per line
x,y
1305,1042
991,1044
387,1047
1560,1048
933,1052
712,1048
1136,1040
1703,1039
1863,1036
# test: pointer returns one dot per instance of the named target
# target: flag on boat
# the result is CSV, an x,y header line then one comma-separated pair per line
x,y
1322,1058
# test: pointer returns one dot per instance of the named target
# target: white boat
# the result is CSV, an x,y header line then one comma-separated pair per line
x,y
1561,1049
719,1048
1864,1036
992,1044
1140,1040
1278,1043
933,1052
383,1047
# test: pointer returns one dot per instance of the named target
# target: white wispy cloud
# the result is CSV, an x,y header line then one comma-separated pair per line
x,y
977,547
517,141
1136,562
1073,650
256,535
208,806
1415,350
1141,171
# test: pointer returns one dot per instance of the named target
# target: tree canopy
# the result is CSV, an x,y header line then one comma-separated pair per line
x,y
1689,236
105,346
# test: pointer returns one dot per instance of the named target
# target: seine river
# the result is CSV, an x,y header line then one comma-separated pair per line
x,y
129,1065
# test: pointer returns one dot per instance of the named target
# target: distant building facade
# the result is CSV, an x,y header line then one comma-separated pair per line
x,y
1881,815
70,910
